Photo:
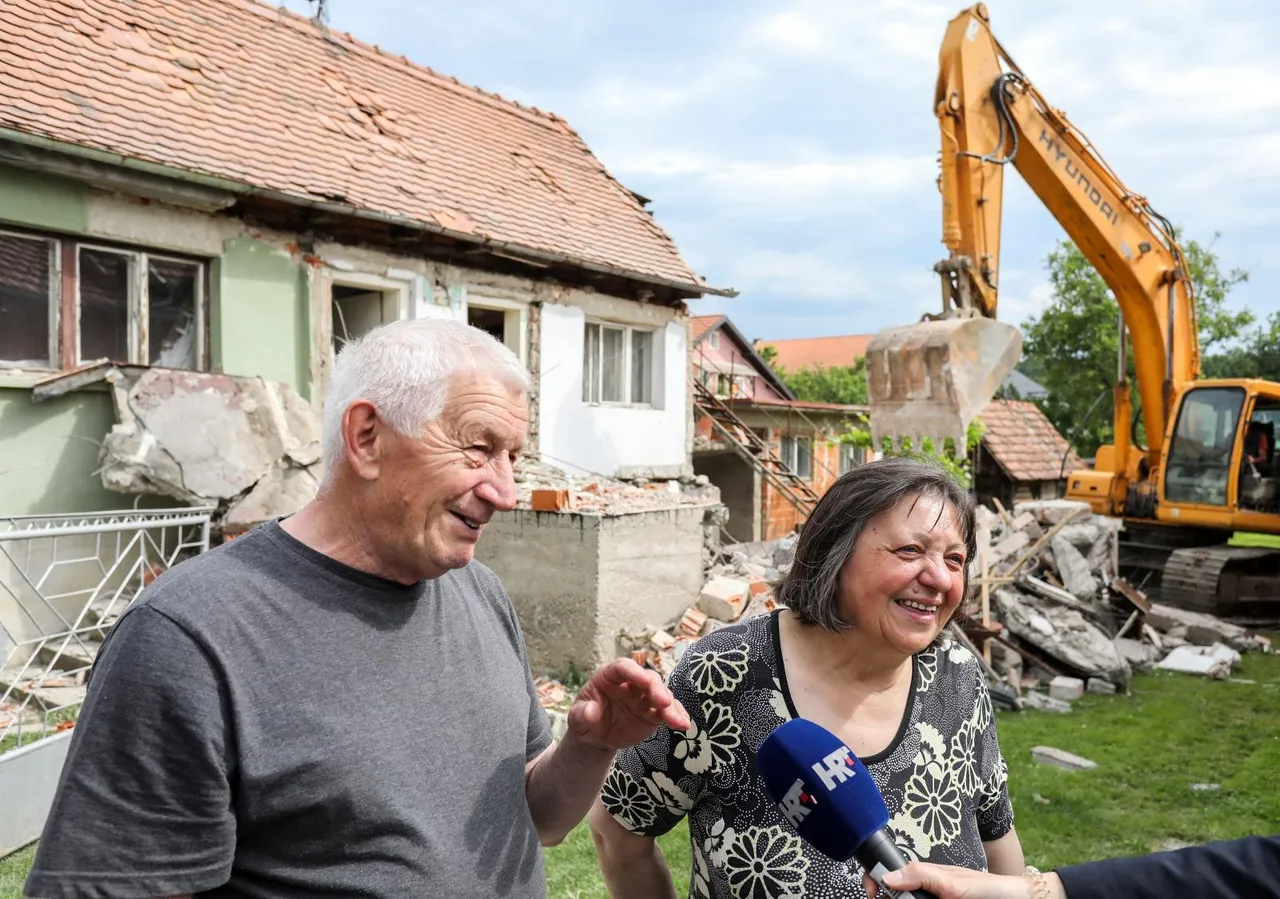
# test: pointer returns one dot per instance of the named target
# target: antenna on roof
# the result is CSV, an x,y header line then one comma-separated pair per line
x,y
322,11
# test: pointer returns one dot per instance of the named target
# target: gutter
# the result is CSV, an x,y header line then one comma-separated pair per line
x,y
518,252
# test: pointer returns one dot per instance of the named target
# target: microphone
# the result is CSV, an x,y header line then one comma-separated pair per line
x,y
828,795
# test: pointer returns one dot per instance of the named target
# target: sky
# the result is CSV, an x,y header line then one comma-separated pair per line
x,y
790,148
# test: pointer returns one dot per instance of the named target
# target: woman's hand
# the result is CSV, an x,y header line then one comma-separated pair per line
x,y
948,882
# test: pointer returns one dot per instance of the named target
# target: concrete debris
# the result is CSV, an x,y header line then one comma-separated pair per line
x,y
1060,758
739,585
248,446
1066,688
1058,612
1217,661
1100,686
1035,700
724,597
544,487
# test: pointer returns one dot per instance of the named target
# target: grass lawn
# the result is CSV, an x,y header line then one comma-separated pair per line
x,y
1173,731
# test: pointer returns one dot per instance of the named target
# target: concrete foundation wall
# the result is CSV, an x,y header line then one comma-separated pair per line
x,y
550,565
578,580
650,572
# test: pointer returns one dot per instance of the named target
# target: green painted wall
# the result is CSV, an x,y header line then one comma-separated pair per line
x,y
261,313
41,201
49,451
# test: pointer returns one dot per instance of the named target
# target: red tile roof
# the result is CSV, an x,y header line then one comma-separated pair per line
x,y
700,324
1025,443
255,95
809,352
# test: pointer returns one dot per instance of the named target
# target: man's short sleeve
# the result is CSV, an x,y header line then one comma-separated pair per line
x,y
144,804
653,784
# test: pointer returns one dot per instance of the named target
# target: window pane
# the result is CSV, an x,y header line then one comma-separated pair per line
x,y
591,365
26,304
804,457
104,305
612,380
1199,466
641,365
171,313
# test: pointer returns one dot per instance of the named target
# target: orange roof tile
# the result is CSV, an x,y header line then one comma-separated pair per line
x,y
264,98
1025,443
700,324
809,352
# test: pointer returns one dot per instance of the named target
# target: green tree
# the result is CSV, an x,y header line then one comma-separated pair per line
x,y
1072,346
1256,356
843,384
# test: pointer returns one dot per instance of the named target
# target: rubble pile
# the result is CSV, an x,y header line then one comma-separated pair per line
x,y
544,487
1058,614
739,585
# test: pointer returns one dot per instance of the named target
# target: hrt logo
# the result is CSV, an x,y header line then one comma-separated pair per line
x,y
797,803
835,768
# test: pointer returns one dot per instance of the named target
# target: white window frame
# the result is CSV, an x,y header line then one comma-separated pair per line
x,y
515,324
60,356
790,454
851,456
627,331
139,308
54,299
713,340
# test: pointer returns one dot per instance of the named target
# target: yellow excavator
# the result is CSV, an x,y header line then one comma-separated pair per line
x,y
1209,468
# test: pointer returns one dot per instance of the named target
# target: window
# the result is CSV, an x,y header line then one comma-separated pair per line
x,y
713,340
850,457
797,455
64,303
1199,466
28,301
617,365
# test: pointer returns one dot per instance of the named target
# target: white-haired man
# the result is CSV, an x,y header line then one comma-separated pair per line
x,y
338,702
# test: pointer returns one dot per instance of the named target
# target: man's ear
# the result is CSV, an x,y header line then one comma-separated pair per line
x,y
363,434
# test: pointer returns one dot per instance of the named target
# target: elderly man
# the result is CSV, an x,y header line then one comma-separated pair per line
x,y
338,703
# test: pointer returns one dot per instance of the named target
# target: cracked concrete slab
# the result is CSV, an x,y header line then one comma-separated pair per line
x,y
249,445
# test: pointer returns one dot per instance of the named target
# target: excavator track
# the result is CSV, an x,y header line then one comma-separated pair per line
x,y
1223,580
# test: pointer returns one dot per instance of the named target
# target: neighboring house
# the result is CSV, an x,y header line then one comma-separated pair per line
x,y
844,350
803,436
225,186
1021,457
811,352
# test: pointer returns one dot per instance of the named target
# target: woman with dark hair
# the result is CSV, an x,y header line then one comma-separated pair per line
x,y
860,646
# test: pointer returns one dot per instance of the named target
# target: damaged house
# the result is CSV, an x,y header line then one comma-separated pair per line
x,y
200,200
771,456
1022,457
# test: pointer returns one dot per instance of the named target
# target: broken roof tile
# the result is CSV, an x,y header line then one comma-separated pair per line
x,y
253,93
1025,443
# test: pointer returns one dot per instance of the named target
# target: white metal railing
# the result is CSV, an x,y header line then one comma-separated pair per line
x,y
64,580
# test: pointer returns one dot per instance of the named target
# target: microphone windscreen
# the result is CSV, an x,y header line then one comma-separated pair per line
x,y
821,787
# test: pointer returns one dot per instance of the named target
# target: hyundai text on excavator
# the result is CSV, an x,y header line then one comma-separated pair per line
x,y
1210,466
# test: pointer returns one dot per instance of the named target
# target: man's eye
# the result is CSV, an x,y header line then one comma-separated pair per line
x,y
480,448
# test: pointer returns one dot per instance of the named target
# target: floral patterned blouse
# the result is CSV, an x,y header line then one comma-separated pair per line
x,y
943,777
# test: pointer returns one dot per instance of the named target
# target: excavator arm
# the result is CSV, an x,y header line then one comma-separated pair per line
x,y
947,369
991,116
1209,467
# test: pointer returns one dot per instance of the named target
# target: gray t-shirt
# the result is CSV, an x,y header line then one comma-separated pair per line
x,y
266,722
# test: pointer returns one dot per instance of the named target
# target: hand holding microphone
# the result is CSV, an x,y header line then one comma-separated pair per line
x,y
827,794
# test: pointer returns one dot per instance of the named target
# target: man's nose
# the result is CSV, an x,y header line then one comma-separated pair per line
x,y
498,489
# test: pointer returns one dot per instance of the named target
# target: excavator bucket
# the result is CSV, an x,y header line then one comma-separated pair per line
x,y
931,379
